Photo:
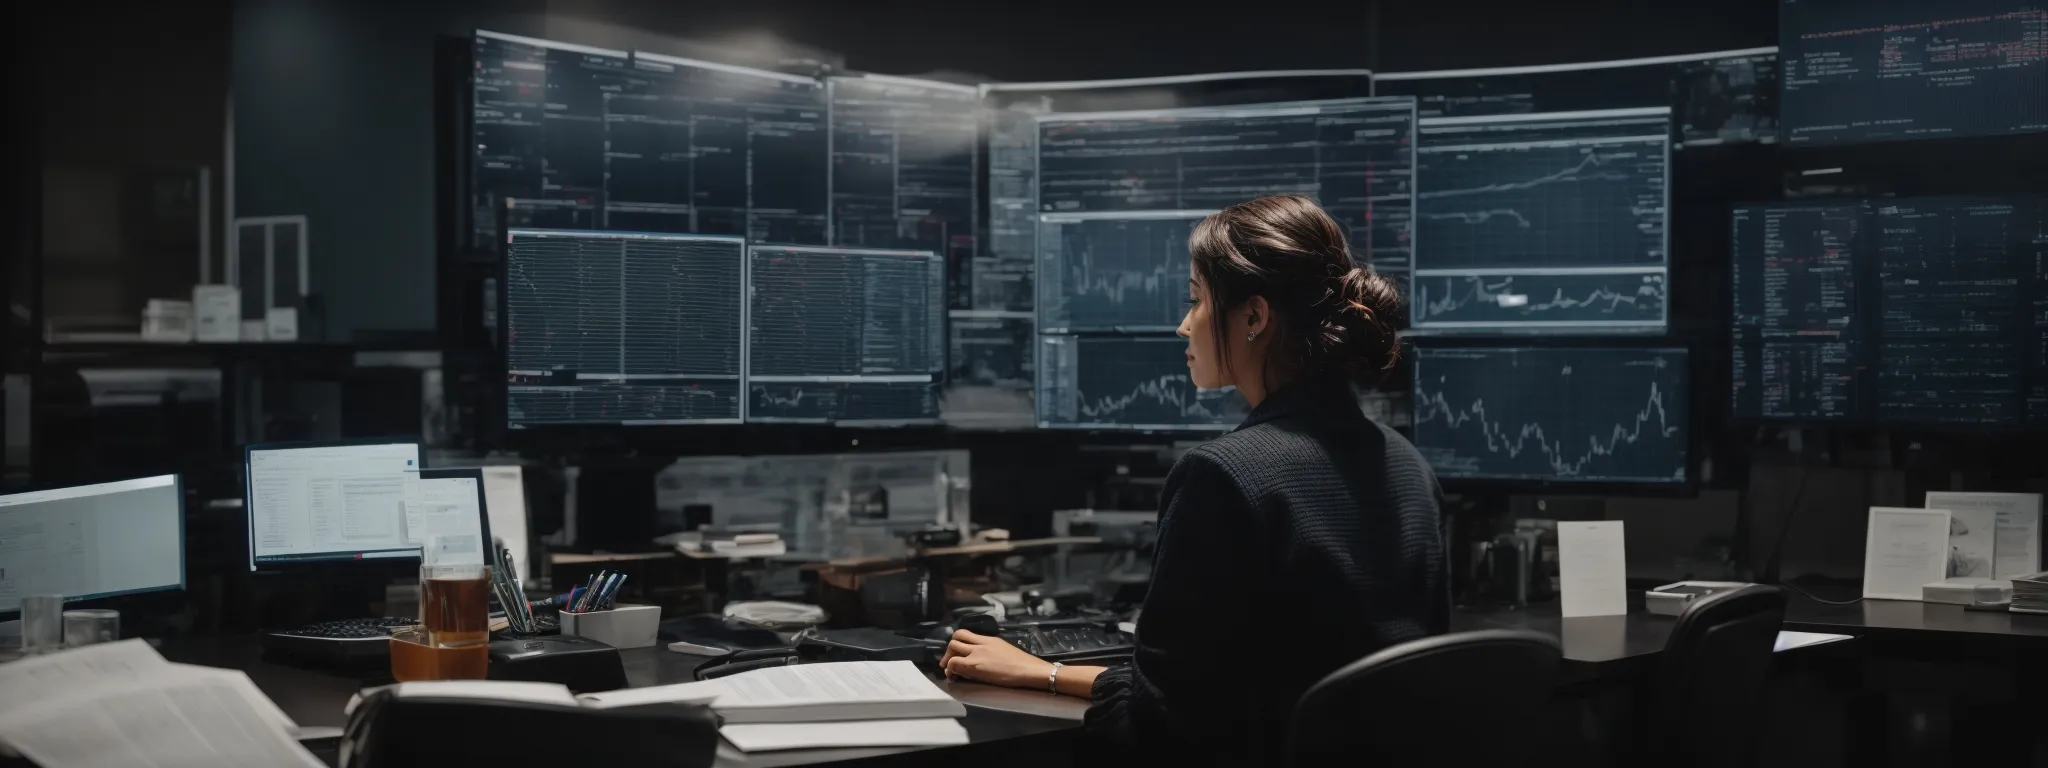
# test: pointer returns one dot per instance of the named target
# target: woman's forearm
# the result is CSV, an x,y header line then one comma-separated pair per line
x,y
1079,681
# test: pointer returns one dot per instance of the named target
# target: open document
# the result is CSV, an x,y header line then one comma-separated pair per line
x,y
805,693
764,737
116,708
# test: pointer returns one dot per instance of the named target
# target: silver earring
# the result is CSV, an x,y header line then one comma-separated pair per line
x,y
1252,335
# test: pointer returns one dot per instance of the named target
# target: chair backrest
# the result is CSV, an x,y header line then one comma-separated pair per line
x,y
1392,708
1706,699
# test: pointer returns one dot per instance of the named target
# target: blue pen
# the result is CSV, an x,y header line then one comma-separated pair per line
x,y
611,592
572,598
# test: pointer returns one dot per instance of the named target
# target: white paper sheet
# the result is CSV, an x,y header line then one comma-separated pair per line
x,y
2017,528
30,681
1790,640
449,508
701,692
1592,568
505,506
1905,549
847,690
170,716
484,690
763,737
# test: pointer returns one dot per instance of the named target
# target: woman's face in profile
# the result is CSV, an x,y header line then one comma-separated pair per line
x,y
1204,368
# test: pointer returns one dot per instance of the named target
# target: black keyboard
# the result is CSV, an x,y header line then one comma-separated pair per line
x,y
1052,639
1058,642
346,642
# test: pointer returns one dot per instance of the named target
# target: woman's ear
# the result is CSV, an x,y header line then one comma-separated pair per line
x,y
1257,315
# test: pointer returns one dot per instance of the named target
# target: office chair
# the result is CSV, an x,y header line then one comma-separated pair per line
x,y
1391,708
1705,700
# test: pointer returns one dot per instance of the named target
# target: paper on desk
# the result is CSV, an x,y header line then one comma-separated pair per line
x,y
173,716
30,681
482,690
701,692
846,690
1790,640
1904,550
2016,545
763,737
1592,568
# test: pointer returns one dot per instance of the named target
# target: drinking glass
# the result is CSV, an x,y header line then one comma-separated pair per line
x,y
455,596
42,624
91,626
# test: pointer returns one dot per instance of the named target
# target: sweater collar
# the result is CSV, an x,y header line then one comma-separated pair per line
x,y
1321,401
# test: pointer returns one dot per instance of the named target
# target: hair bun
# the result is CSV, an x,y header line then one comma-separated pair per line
x,y
1360,329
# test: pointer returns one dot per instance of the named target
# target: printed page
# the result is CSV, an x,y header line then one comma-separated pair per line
x,y
2016,540
483,690
447,507
838,682
36,679
170,717
1905,550
701,692
763,737
1592,568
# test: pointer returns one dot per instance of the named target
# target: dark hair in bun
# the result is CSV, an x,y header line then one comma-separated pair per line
x,y
1333,315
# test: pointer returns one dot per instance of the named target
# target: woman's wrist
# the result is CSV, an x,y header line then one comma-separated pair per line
x,y
1074,681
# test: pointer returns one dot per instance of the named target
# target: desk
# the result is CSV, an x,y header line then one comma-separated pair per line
x,y
997,718
1595,647
1903,617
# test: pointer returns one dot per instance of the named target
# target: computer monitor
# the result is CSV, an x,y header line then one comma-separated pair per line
x,y
1553,415
330,501
1901,311
92,541
848,336
622,329
1551,223
1886,70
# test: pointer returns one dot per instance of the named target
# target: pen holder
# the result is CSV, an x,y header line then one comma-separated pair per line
x,y
626,626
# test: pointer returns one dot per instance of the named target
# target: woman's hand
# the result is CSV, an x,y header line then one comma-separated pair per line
x,y
993,660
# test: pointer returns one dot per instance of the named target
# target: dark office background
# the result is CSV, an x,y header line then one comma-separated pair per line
x,y
330,107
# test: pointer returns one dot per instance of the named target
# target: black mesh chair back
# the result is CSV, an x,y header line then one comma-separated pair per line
x,y
1706,698
1394,707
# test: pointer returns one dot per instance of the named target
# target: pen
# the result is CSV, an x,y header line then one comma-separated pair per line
x,y
596,586
583,603
609,598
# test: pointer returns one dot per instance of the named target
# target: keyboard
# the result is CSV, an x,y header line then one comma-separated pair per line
x,y
1052,639
1062,642
345,643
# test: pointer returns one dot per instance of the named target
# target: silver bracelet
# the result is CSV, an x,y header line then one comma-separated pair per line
x,y
1052,679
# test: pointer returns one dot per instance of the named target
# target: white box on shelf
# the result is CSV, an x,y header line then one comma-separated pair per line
x,y
217,313
167,320
282,323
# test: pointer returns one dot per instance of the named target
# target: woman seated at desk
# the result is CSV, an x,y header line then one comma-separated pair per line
x,y
1303,540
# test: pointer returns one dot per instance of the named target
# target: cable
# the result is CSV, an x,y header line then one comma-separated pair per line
x,y
1809,596
1771,566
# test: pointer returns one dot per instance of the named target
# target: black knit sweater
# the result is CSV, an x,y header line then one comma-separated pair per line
x,y
1304,540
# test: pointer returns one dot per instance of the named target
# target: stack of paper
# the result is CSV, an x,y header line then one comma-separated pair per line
x,y
122,704
842,704
2030,594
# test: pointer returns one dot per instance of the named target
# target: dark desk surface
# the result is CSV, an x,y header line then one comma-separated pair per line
x,y
1901,616
1606,646
1594,647
316,699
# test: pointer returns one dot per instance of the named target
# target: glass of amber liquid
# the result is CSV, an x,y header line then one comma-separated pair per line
x,y
454,638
